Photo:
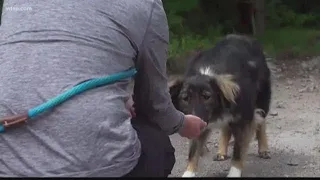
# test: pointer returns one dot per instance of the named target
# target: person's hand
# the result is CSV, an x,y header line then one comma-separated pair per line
x,y
191,127
129,106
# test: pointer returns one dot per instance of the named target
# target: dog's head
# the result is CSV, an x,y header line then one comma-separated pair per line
x,y
205,96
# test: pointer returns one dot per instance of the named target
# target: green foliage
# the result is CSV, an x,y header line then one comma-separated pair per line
x,y
187,43
291,26
178,6
188,27
174,9
297,42
281,15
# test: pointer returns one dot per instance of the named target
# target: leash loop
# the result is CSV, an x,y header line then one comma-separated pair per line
x,y
9,121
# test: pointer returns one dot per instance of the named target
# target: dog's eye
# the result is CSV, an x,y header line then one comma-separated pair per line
x,y
206,97
185,97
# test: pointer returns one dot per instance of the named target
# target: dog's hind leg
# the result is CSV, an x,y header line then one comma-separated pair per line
x,y
242,139
263,103
225,136
262,141
195,151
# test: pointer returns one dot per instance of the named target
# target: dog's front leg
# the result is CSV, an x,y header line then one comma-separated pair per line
x,y
195,151
225,136
242,139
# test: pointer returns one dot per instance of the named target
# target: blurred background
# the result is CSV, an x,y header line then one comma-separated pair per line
x,y
287,29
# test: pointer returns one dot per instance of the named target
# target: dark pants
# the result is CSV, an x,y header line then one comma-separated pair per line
x,y
157,154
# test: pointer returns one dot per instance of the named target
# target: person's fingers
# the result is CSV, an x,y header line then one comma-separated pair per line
x,y
133,113
203,124
129,106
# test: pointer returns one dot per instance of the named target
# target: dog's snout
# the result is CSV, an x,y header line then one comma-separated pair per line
x,y
200,111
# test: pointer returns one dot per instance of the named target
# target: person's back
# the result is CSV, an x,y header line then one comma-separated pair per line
x,y
49,46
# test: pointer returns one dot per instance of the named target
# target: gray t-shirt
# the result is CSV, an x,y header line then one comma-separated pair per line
x,y
49,46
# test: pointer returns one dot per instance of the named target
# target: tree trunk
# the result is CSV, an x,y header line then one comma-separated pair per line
x,y
259,16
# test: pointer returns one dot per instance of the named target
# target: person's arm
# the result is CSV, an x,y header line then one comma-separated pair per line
x,y
151,95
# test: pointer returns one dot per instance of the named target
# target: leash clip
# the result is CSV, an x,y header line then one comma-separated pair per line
x,y
8,121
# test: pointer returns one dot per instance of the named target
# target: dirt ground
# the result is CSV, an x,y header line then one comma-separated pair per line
x,y
293,129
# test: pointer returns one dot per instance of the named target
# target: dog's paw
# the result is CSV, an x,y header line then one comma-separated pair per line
x,y
220,157
189,174
234,172
264,155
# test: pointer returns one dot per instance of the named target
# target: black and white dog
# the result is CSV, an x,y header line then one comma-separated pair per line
x,y
229,87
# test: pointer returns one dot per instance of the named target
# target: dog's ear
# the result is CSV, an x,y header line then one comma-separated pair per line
x,y
227,86
175,86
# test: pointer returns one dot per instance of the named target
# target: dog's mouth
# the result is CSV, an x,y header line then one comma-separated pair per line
x,y
201,116
204,118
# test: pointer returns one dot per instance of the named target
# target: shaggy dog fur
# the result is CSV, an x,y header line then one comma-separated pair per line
x,y
229,87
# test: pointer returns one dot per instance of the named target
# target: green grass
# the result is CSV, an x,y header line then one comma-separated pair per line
x,y
179,46
276,42
299,42
183,43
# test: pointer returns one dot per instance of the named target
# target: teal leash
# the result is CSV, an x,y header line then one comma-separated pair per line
x,y
9,121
